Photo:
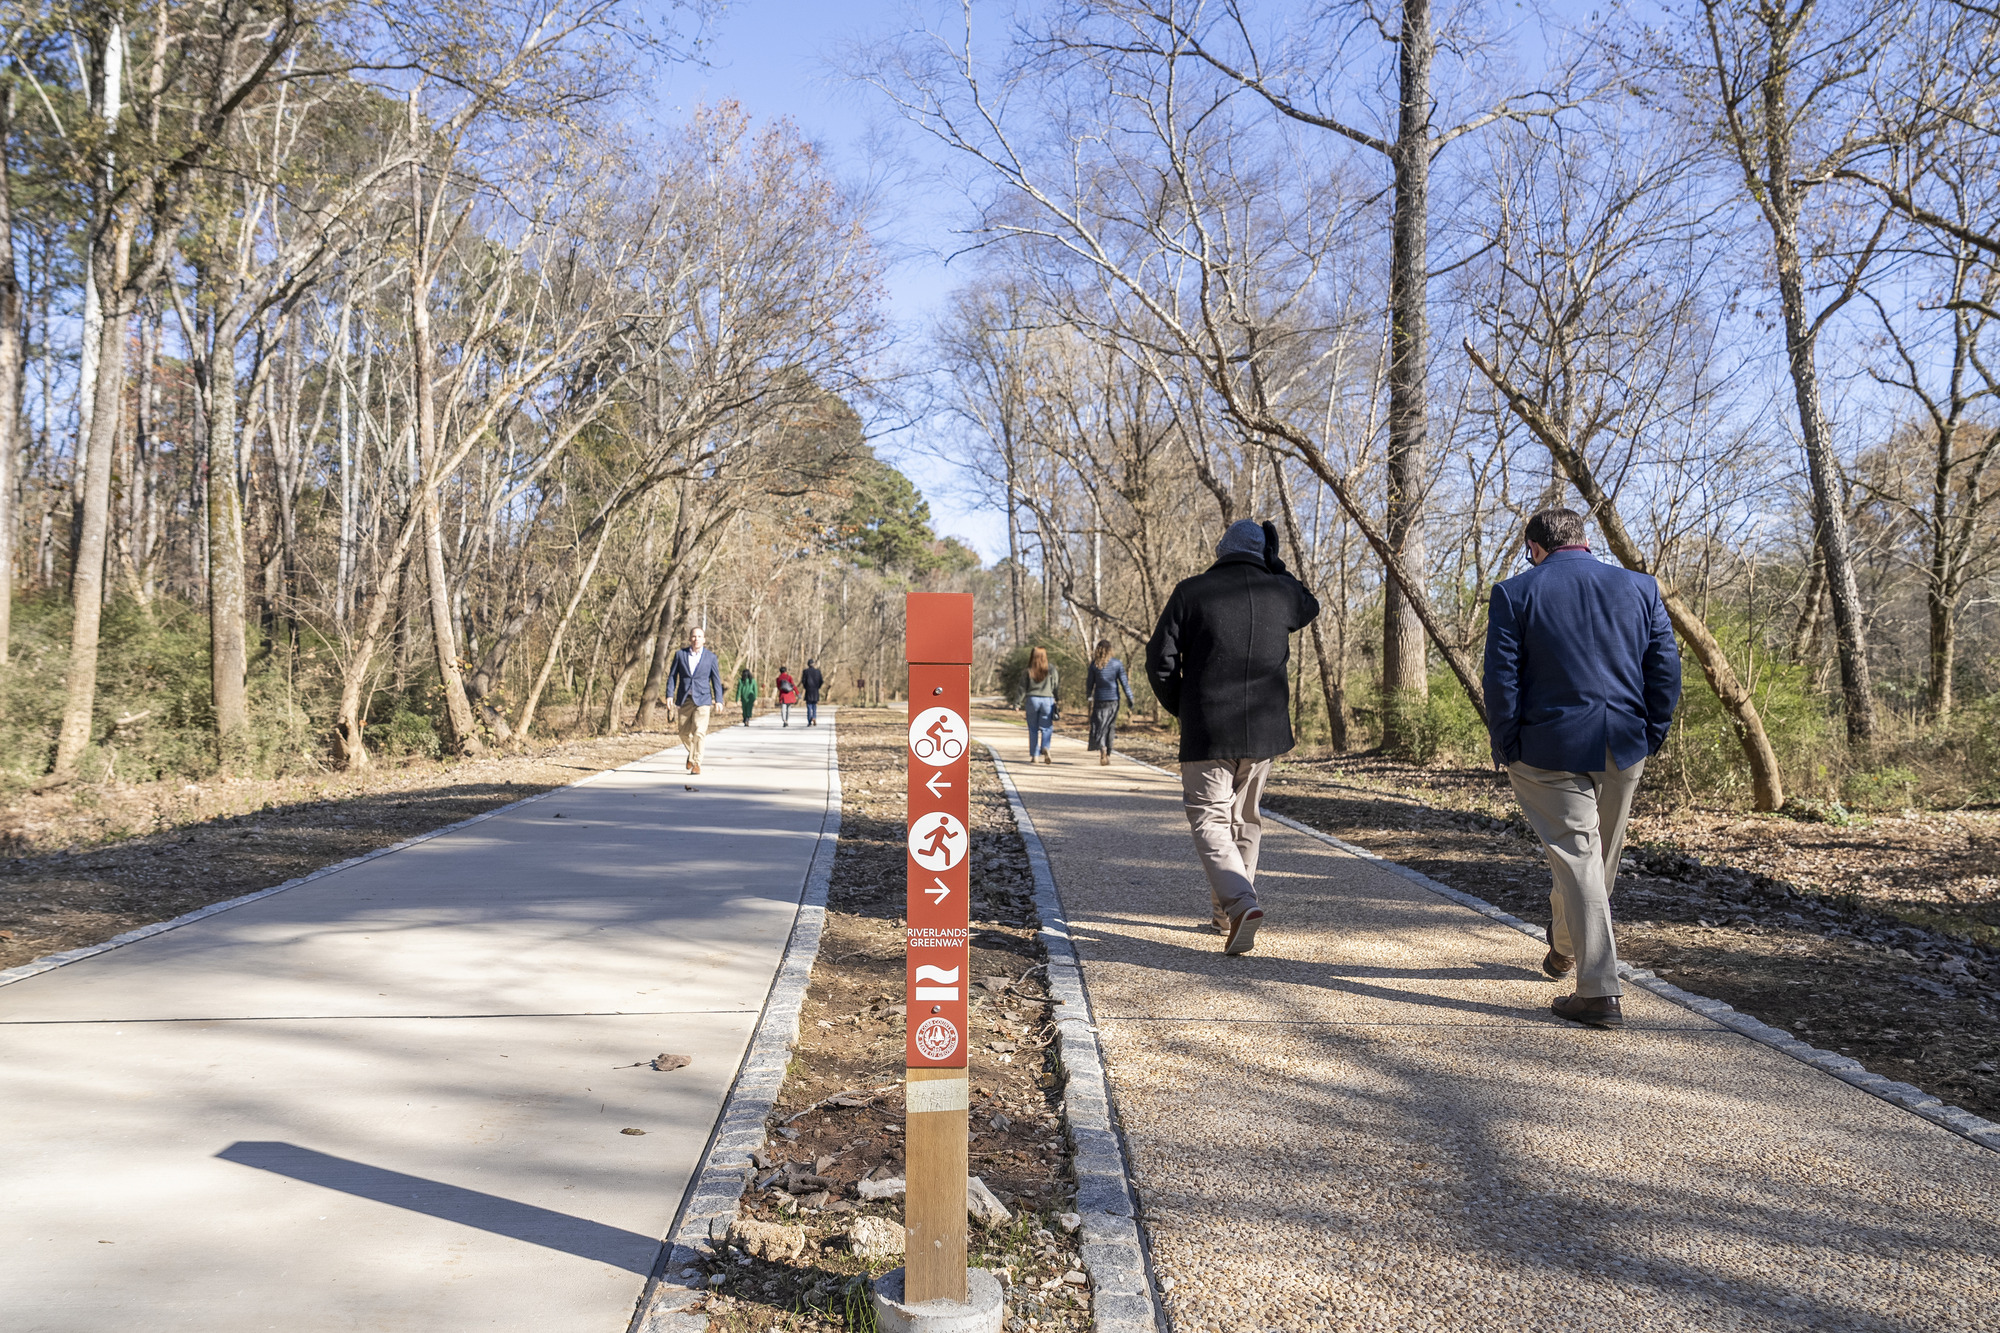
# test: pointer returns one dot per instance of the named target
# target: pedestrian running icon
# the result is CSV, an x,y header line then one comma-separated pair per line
x,y
938,737
938,842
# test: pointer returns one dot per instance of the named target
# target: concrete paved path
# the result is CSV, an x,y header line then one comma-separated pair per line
x,y
1372,1122
391,1098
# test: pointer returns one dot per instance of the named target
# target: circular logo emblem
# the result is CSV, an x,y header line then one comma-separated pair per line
x,y
938,736
938,842
936,1038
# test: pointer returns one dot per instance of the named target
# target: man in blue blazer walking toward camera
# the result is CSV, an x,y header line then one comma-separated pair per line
x,y
1582,676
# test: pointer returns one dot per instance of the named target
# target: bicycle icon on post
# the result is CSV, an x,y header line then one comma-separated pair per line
x,y
938,736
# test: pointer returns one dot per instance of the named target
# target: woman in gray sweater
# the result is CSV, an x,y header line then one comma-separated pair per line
x,y
1039,689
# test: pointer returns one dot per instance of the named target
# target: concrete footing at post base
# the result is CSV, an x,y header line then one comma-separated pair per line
x,y
984,1309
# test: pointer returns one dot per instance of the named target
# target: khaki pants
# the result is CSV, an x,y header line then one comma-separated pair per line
x,y
1580,818
693,725
1220,796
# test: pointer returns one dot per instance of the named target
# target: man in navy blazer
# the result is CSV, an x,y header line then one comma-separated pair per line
x,y
1581,681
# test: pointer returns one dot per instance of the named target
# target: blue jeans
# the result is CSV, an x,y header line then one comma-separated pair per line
x,y
1041,724
812,711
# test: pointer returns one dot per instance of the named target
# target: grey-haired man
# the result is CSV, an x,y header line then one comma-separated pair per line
x,y
694,683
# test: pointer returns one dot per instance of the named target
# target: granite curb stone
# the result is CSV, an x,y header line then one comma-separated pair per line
x,y
1114,1247
703,1224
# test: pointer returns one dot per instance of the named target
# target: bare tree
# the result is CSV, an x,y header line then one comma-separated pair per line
x,y
10,371
1291,75
139,167
1790,85
1222,272
1937,477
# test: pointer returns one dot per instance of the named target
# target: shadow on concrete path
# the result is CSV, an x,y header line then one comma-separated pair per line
x,y
487,1212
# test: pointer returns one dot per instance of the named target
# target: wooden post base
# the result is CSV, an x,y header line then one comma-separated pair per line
x,y
934,1175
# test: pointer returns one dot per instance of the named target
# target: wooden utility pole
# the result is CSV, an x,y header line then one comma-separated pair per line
x,y
938,944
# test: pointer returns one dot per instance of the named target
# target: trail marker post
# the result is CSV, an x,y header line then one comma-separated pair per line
x,y
938,945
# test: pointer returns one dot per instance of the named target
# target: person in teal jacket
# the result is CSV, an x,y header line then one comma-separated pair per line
x,y
746,694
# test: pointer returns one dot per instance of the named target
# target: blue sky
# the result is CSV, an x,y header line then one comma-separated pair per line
x,y
775,57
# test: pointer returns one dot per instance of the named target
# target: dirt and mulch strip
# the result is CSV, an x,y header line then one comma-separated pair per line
x,y
1878,938
823,1214
85,864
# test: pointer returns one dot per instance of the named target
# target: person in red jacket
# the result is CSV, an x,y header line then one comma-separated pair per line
x,y
788,694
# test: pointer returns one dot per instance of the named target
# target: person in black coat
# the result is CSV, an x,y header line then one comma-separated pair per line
x,y
811,682
1217,661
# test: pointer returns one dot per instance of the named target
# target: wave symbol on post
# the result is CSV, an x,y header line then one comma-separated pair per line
x,y
948,991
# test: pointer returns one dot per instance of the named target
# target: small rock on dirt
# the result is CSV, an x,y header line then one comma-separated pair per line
x,y
874,1238
1069,1221
981,1206
768,1240
880,1189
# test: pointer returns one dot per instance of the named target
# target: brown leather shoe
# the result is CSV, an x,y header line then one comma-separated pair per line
x,y
1243,931
1558,965
1597,1011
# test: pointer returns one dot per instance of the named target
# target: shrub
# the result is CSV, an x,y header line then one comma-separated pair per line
x,y
1441,726
1070,673
1891,788
154,717
406,734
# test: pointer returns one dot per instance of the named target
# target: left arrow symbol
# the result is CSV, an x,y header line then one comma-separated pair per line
x,y
941,892
934,784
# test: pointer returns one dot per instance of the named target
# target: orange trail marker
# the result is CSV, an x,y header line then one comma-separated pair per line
x,y
938,944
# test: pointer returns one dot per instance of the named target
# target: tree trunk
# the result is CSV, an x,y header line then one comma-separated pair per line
x,y
1805,631
656,672
1780,198
1829,500
87,577
227,590
458,709
556,637
1942,599
1016,605
1405,668
1329,683
1766,780
10,372
646,636
349,741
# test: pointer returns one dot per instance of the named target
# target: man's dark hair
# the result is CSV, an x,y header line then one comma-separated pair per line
x,y
1552,528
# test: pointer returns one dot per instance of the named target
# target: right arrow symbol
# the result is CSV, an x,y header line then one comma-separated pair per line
x,y
934,784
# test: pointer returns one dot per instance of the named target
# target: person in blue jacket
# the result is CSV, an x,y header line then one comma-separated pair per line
x,y
1582,677
694,683
1102,684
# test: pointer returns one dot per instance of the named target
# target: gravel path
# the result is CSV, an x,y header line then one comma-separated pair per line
x,y
1372,1122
